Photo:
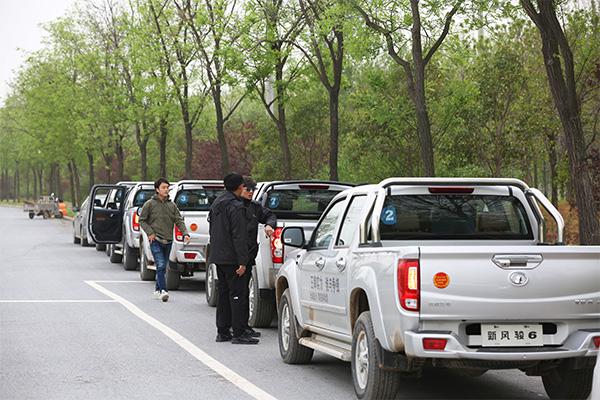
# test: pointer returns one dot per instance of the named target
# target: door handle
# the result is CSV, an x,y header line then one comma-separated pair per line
x,y
320,263
518,261
341,264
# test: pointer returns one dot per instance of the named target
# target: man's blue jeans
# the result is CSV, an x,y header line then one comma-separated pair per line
x,y
160,252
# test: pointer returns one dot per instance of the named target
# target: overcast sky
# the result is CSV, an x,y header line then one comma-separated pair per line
x,y
20,29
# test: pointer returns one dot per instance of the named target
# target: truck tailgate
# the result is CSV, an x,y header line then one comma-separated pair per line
x,y
541,283
197,220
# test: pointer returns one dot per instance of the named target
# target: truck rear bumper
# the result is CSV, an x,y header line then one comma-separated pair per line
x,y
578,344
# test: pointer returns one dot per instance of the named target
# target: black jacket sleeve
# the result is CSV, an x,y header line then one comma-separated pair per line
x,y
266,216
239,233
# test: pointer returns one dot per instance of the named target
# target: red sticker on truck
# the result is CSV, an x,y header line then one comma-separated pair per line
x,y
441,280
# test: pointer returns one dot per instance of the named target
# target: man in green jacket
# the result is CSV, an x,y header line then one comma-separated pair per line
x,y
158,217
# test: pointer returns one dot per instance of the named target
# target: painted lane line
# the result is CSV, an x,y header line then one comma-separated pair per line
x,y
58,301
239,381
138,281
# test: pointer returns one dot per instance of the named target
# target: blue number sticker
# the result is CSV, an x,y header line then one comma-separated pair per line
x,y
183,199
274,202
388,215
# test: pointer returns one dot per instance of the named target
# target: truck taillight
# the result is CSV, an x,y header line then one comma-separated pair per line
x,y
408,284
135,222
596,340
277,246
178,234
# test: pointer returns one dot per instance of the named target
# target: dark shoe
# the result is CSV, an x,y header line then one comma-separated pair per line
x,y
252,333
244,339
223,338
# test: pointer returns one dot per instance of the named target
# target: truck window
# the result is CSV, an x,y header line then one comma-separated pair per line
x,y
323,234
142,196
452,216
351,220
300,203
196,199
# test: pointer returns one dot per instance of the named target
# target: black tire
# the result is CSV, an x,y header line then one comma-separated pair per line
x,y
211,285
130,257
100,247
76,240
145,273
31,215
44,215
261,310
84,241
370,381
172,278
565,383
114,257
290,349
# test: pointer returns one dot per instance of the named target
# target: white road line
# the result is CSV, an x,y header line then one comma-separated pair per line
x,y
58,301
188,346
146,282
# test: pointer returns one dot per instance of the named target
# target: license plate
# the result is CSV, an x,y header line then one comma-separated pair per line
x,y
511,335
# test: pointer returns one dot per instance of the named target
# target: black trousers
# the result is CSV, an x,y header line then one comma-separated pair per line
x,y
232,300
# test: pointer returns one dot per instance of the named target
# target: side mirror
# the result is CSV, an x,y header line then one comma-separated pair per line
x,y
293,236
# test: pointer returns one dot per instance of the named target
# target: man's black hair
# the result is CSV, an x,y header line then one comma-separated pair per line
x,y
232,181
160,181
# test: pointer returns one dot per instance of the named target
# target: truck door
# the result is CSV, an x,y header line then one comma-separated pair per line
x,y
335,271
316,300
105,218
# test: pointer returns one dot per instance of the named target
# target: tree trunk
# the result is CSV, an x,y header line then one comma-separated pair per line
x,y
334,132
557,52
77,183
59,190
162,146
220,125
41,181
72,183
91,172
120,152
17,182
35,188
286,157
143,146
553,164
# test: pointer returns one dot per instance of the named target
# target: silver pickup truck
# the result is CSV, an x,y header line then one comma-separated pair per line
x,y
450,273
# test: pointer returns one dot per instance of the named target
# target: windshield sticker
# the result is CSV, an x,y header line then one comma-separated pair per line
x,y
388,215
183,199
274,202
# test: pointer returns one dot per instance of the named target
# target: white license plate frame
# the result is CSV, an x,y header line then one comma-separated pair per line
x,y
512,335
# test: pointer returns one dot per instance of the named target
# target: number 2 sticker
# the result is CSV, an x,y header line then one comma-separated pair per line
x,y
388,215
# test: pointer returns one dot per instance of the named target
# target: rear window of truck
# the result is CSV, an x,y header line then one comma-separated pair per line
x,y
454,216
142,196
299,203
196,199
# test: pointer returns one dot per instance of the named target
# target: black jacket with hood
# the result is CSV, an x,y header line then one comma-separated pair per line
x,y
228,231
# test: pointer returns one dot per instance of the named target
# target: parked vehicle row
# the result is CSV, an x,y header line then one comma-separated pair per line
x,y
399,276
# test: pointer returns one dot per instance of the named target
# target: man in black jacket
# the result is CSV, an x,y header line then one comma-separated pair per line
x,y
229,252
255,214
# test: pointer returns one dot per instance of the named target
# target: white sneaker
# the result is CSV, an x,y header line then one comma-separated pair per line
x,y
156,294
164,296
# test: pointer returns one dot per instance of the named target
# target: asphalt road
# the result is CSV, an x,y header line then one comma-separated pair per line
x,y
75,326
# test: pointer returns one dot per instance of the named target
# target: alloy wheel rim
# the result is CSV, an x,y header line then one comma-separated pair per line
x,y
361,360
285,327
210,281
251,294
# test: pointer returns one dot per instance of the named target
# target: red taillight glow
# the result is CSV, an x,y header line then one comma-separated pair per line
x,y
277,246
408,284
178,234
189,256
596,340
135,222
450,189
434,344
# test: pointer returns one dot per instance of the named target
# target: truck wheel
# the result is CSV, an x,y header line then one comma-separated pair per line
x,y
260,310
84,241
100,247
130,257
173,279
114,257
211,285
566,383
291,351
370,381
145,273
31,215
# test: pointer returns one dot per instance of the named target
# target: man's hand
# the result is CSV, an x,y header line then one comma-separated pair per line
x,y
241,270
186,239
269,230
152,238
